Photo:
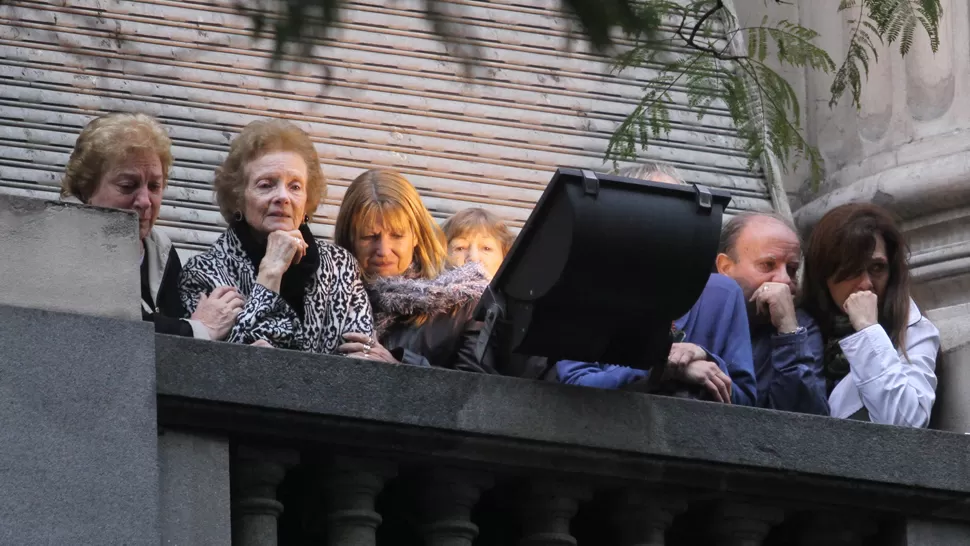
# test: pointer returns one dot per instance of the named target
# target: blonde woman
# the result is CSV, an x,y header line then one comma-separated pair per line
x,y
121,161
298,293
423,314
477,235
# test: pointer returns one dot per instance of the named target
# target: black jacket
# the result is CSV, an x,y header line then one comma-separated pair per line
x,y
161,303
445,340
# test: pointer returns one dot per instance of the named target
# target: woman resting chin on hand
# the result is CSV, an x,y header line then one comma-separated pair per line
x,y
297,293
880,351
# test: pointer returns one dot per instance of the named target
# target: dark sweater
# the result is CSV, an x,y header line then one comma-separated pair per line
x,y
718,322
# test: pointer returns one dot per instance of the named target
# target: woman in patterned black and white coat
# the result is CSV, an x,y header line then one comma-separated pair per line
x,y
299,293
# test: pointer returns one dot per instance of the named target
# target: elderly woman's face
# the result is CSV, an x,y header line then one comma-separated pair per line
x,y
135,183
384,252
478,247
276,192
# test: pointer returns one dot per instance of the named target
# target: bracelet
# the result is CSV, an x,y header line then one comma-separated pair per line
x,y
799,330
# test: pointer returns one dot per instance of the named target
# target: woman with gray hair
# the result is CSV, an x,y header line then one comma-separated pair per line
x,y
299,293
122,161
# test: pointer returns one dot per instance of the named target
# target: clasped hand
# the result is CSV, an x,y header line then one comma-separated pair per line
x,y
688,363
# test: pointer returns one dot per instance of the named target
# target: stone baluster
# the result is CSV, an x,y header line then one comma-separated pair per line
x,y
641,516
448,499
546,509
743,523
256,473
844,528
351,485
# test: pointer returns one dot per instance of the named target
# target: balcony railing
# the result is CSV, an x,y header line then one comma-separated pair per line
x,y
111,435
458,458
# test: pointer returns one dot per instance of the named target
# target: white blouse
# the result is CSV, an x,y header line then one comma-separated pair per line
x,y
895,390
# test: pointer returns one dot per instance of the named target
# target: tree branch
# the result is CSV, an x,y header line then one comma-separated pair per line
x,y
690,40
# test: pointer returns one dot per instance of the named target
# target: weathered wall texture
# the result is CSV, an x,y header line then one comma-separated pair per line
x,y
66,257
394,99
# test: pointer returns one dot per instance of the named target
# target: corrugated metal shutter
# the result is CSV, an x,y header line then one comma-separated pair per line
x,y
394,100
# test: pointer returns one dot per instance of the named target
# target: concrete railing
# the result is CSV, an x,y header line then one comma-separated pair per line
x,y
112,434
625,466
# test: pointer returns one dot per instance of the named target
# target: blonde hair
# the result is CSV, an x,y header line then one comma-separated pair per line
x,y
104,142
479,220
388,196
257,139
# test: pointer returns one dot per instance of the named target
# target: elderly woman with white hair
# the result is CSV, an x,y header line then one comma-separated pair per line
x,y
122,161
298,293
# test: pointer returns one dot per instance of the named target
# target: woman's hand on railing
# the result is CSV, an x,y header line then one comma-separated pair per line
x,y
363,346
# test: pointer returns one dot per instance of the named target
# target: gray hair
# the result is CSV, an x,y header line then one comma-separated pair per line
x,y
644,170
732,230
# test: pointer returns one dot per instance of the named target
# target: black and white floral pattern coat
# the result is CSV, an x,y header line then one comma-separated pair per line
x,y
334,299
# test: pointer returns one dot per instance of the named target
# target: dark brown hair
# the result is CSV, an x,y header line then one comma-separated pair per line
x,y
840,248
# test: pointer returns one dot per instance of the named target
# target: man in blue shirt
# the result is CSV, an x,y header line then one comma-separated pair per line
x,y
762,253
715,355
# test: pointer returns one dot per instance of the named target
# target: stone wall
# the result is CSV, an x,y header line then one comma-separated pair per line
x,y
67,257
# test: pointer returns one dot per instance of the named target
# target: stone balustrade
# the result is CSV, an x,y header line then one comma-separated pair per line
x,y
387,454
112,434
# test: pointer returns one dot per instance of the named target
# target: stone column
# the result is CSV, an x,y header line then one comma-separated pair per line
x,y
642,516
448,499
351,485
256,473
743,523
194,489
832,528
546,508
929,532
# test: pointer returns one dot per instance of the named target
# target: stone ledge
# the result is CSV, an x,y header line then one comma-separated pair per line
x,y
68,257
313,399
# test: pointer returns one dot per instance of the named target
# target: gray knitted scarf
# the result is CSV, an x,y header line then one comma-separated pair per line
x,y
405,297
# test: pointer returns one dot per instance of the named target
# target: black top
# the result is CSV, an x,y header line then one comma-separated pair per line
x,y
167,306
294,282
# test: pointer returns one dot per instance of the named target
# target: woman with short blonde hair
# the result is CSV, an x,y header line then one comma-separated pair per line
x,y
477,235
299,293
423,314
122,161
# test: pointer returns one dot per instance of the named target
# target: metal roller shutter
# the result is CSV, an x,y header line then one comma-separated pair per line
x,y
394,100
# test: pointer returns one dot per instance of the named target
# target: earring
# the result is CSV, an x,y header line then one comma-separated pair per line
x,y
237,216
306,218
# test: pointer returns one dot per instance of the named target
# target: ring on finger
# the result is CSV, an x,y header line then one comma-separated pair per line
x,y
366,350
